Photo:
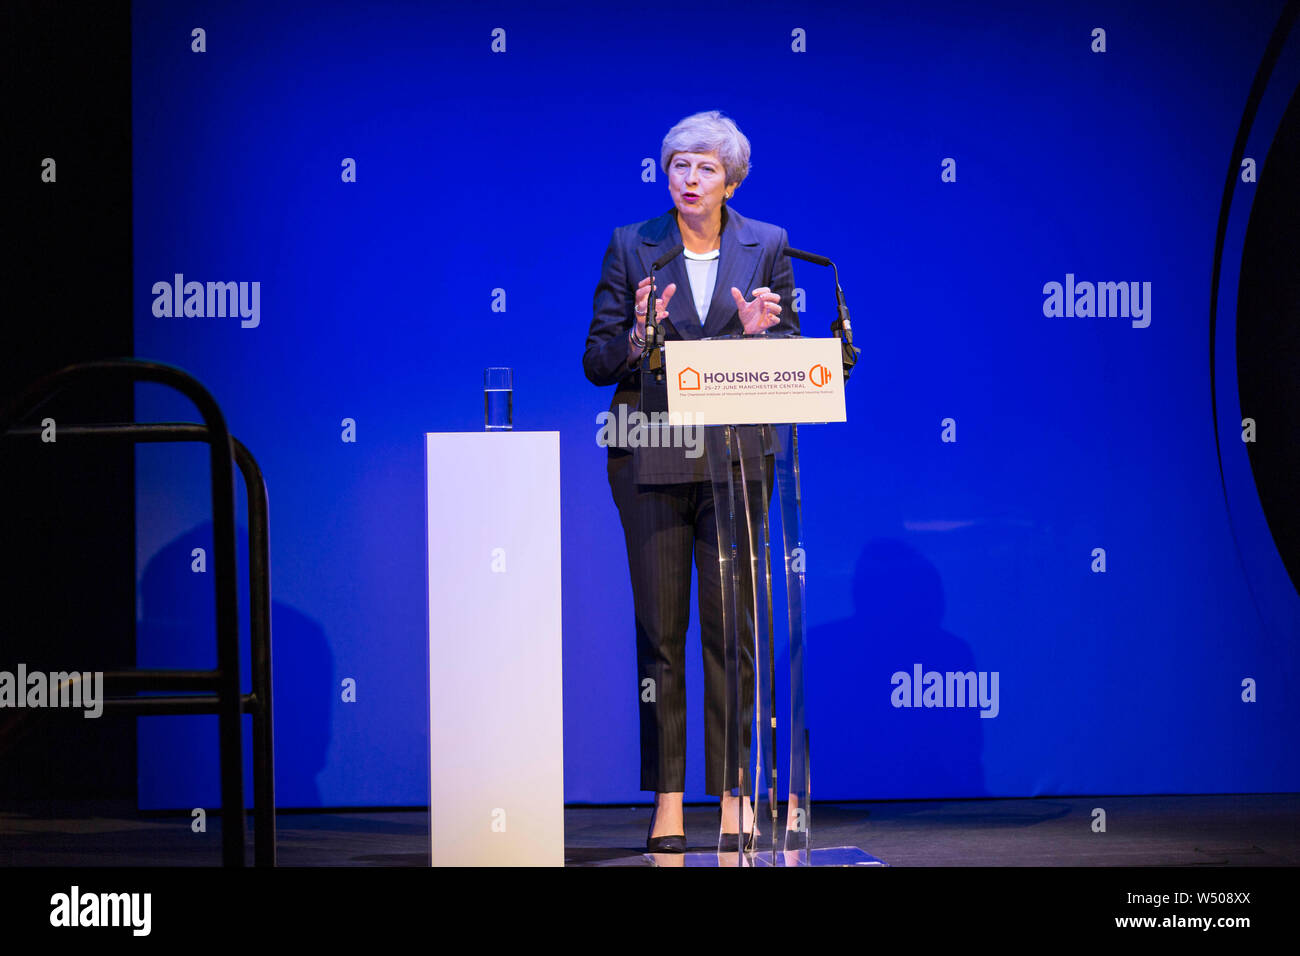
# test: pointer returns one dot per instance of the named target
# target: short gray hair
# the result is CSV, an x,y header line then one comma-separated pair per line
x,y
707,133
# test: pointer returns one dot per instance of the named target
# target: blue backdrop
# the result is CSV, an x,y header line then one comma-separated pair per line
x,y
480,170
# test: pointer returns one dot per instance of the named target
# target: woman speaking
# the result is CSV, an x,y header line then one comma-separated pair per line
x,y
731,279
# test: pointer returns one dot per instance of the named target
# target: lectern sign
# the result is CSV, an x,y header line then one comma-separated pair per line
x,y
755,380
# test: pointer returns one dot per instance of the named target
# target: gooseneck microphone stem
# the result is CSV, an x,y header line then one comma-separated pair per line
x,y
654,337
841,328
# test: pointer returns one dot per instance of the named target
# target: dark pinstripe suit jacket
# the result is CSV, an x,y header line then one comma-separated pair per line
x,y
749,257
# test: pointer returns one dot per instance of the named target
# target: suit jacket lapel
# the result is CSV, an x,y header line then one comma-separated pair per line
x,y
660,235
738,258
737,263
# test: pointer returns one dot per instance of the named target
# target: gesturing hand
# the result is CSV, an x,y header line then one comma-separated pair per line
x,y
661,305
760,313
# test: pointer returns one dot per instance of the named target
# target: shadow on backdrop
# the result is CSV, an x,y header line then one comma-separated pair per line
x,y
178,755
878,750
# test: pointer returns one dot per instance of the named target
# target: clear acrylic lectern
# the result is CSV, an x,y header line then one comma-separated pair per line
x,y
754,470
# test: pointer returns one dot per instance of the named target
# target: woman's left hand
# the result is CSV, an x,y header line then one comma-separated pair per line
x,y
760,313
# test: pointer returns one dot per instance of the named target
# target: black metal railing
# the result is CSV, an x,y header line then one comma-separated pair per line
x,y
196,691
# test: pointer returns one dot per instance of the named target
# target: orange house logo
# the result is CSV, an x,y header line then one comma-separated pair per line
x,y
688,380
819,375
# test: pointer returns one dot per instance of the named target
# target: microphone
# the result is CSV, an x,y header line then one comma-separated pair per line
x,y
668,257
841,328
810,257
654,337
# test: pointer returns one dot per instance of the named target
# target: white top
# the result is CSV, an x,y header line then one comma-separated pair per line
x,y
702,270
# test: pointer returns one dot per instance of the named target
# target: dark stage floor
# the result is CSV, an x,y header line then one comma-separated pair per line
x,y
1205,831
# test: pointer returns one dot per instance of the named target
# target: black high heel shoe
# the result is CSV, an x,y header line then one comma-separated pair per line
x,y
670,843
730,842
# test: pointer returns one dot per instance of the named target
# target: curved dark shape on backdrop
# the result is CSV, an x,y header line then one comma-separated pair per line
x,y
1268,337
1271,53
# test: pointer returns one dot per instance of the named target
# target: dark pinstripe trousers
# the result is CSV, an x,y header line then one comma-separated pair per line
x,y
665,526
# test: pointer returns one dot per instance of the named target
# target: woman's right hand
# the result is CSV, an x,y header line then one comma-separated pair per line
x,y
661,311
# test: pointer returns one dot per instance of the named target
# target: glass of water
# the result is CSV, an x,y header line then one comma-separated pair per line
x,y
498,399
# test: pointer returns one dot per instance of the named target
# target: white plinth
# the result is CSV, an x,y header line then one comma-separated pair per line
x,y
496,744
